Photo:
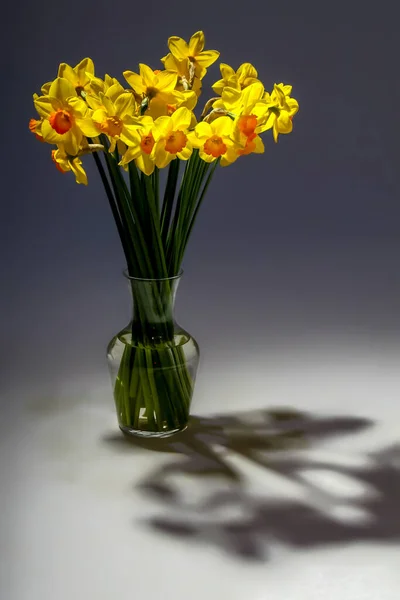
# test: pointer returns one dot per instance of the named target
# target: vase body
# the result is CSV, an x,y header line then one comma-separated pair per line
x,y
153,363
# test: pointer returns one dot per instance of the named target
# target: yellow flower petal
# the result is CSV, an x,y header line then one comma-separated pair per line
x,y
206,157
203,130
162,126
293,105
67,72
45,105
45,88
85,66
135,81
62,89
230,98
108,105
93,102
181,118
99,115
145,164
132,153
246,70
222,126
78,171
115,90
186,152
187,98
50,135
166,80
160,156
259,149
178,47
124,104
196,43
130,136
229,157
226,71
252,94
207,58
78,106
195,141
87,127
147,75
284,123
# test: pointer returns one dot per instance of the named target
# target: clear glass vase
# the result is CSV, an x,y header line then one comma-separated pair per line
x,y
153,363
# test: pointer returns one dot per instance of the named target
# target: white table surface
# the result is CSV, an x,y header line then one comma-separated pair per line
x,y
236,507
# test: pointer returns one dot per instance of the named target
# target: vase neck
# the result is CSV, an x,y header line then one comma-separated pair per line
x,y
153,308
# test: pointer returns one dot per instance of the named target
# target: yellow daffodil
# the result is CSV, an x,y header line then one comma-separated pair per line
x,y
66,117
154,90
282,109
214,140
79,75
113,90
194,51
140,147
115,117
187,79
236,100
242,78
65,163
171,138
97,85
248,108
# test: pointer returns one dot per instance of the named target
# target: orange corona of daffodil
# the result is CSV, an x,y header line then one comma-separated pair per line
x,y
66,117
171,138
140,147
214,140
242,78
65,163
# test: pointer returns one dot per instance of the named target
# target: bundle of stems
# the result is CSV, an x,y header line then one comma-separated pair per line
x,y
154,386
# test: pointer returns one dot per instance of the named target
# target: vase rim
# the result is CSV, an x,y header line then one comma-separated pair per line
x,y
126,274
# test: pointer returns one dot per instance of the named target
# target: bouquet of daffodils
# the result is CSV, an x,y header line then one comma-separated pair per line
x,y
133,130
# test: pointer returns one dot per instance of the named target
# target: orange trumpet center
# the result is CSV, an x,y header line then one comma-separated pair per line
x,y
247,124
147,143
249,147
175,141
215,146
112,126
61,121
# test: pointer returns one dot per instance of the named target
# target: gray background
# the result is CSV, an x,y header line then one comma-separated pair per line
x,y
298,246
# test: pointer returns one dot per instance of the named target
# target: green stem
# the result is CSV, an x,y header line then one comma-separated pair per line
x,y
194,215
129,255
169,197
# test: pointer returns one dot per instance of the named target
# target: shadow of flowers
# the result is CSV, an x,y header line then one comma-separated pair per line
x,y
241,481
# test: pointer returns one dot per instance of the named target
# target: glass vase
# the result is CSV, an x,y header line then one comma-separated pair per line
x,y
153,362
